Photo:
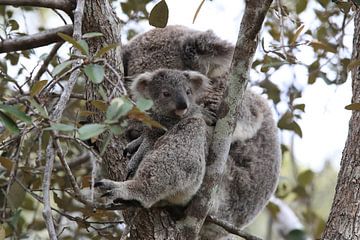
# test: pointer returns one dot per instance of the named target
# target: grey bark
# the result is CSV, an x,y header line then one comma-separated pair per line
x,y
344,219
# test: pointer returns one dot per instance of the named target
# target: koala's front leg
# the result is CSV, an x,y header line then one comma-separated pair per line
x,y
133,146
133,164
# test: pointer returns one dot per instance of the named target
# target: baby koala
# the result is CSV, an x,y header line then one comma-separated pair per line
x,y
168,168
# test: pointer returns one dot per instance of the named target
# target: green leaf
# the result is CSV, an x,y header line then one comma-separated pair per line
x,y
13,24
9,123
95,73
105,49
71,40
324,46
305,178
41,110
118,107
116,129
16,113
159,15
85,46
91,130
301,6
297,33
61,127
353,106
92,34
61,67
296,234
144,104
101,105
300,107
6,163
37,87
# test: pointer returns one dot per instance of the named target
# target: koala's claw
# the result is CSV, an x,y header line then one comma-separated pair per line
x,y
125,152
130,174
99,184
107,194
209,117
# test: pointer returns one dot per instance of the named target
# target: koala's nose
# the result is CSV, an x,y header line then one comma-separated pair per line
x,y
181,106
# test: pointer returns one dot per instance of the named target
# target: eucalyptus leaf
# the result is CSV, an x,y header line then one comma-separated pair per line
x,y
61,67
9,123
75,43
37,87
61,127
91,130
95,73
15,113
159,15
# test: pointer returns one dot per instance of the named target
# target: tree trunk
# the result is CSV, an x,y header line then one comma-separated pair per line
x,y
145,224
344,219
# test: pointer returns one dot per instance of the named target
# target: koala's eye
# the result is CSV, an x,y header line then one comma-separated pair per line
x,y
188,92
166,94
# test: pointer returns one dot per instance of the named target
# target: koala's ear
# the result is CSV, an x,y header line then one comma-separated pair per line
x,y
208,50
140,85
199,82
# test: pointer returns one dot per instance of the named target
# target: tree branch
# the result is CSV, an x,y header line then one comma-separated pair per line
x,y
230,228
251,24
46,62
65,5
36,40
56,116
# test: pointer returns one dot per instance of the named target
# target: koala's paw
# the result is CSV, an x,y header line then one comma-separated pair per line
x,y
209,117
130,172
105,184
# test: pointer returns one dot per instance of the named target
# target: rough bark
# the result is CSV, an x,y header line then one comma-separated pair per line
x,y
99,17
344,219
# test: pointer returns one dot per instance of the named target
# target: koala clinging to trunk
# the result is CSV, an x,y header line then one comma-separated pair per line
x,y
252,168
172,169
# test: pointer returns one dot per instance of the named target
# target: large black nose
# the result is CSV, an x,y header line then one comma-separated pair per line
x,y
181,103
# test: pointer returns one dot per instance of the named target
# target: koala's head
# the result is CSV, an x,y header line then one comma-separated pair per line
x,y
172,91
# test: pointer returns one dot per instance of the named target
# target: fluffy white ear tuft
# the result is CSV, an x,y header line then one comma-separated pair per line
x,y
140,85
199,82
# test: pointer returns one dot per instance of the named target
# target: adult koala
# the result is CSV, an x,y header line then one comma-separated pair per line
x,y
252,168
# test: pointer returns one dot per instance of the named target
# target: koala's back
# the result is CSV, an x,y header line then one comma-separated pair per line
x,y
253,166
157,48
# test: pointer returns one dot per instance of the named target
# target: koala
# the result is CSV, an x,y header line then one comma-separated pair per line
x,y
171,166
179,91
253,164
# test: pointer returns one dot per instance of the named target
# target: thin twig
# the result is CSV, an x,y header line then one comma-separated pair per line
x,y
74,163
35,40
47,62
56,116
230,228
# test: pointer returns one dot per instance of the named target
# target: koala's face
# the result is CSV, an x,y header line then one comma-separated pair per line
x,y
172,91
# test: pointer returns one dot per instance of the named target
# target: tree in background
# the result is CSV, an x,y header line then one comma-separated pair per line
x,y
49,110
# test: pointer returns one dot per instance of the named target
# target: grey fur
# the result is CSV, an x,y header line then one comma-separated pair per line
x,y
253,166
170,168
